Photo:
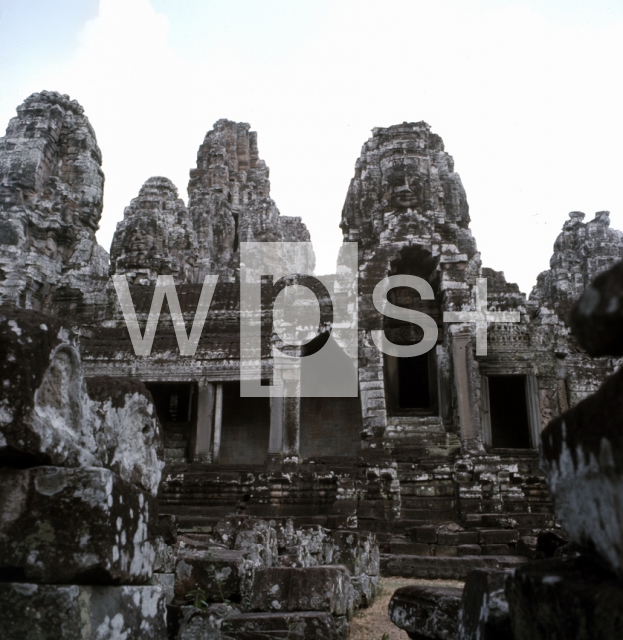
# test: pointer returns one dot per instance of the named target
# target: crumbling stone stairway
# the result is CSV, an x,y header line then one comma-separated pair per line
x,y
460,512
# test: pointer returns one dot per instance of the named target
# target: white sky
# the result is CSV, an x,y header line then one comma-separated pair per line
x,y
528,97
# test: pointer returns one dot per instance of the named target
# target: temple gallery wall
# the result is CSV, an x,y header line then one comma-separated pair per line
x,y
434,464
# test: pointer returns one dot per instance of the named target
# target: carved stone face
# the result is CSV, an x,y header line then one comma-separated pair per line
x,y
140,244
404,189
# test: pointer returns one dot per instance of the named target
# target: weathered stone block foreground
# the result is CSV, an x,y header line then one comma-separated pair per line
x,y
565,599
324,588
426,612
217,571
484,609
61,525
583,456
72,612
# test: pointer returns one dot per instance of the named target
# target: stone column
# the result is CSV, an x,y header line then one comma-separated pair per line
x,y
275,440
534,409
218,422
291,427
202,436
285,412
467,418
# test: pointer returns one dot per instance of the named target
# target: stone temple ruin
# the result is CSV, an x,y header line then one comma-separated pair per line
x,y
141,495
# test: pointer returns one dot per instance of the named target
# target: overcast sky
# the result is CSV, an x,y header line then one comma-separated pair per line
x,y
528,97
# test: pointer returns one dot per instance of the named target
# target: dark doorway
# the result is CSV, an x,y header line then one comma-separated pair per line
x,y
510,428
411,384
245,429
174,402
414,383
176,406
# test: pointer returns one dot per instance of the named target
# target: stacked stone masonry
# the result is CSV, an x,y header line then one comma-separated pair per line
x,y
437,456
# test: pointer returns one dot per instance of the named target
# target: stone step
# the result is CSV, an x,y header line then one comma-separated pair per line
x,y
443,568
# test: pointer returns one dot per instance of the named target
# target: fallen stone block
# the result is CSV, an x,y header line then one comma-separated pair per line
x,y
73,612
301,625
322,588
426,612
483,614
60,525
218,572
565,598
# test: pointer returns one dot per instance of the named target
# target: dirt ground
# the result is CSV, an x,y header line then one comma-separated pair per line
x,y
374,624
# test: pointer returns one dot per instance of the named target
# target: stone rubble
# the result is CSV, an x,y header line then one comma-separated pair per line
x,y
238,569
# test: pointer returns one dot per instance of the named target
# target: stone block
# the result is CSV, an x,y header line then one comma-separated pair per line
x,y
445,551
410,548
356,550
497,536
443,568
300,625
495,549
322,588
217,571
564,599
366,588
527,546
484,610
191,623
47,414
426,534
164,560
582,456
468,537
259,540
84,525
426,612
468,550
447,538
74,612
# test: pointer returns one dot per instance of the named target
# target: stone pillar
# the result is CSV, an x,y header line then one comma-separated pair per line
x,y
534,409
291,427
275,440
467,418
202,436
285,412
218,422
